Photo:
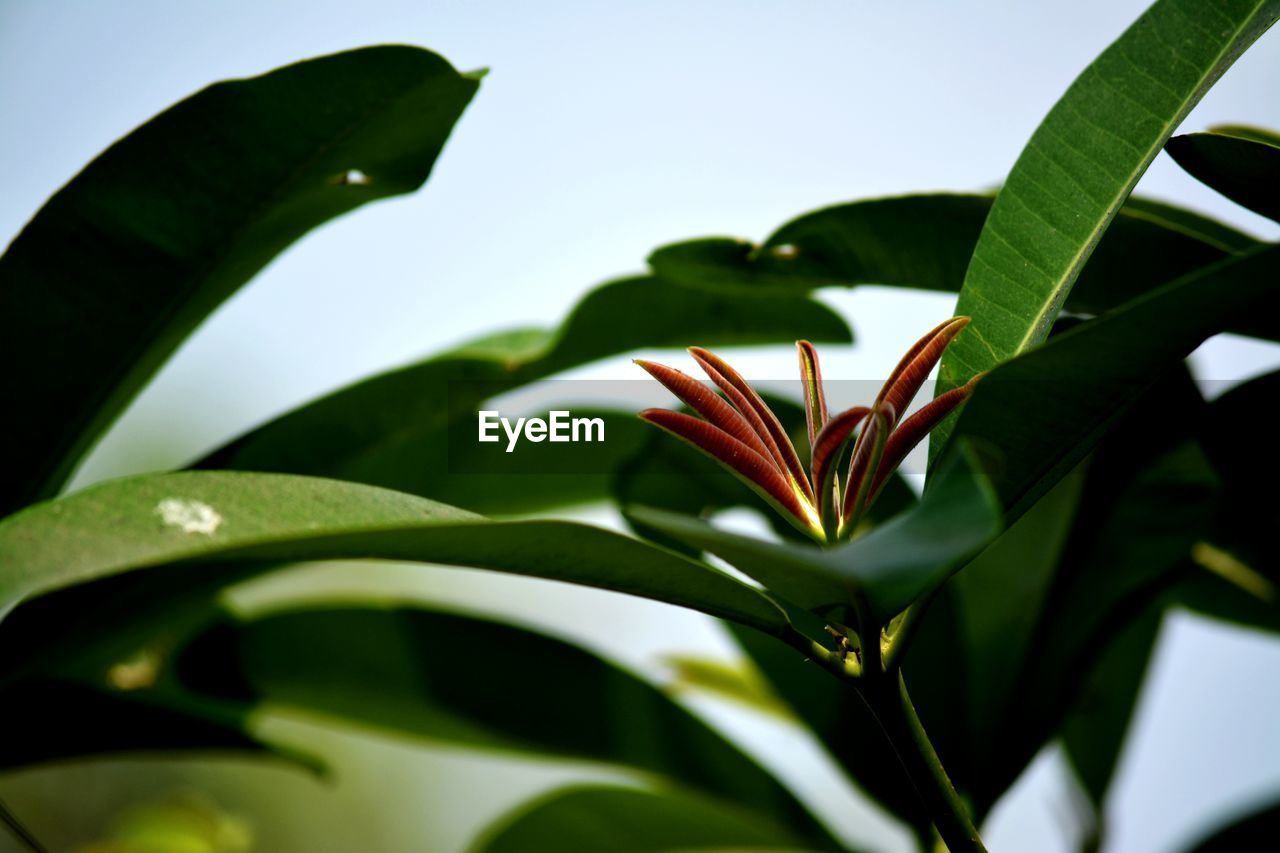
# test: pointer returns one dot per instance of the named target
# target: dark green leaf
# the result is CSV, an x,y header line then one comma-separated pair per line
x,y
1036,417
195,517
1235,572
926,241
67,719
1079,167
1099,721
1244,168
130,256
418,672
1060,594
628,820
414,429
887,568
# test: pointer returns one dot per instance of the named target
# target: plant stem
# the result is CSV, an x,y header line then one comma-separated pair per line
x,y
892,707
9,819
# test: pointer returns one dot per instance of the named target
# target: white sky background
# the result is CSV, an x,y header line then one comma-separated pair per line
x,y
604,130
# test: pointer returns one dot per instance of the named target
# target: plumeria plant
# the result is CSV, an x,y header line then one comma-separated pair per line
x,y
745,436
1078,492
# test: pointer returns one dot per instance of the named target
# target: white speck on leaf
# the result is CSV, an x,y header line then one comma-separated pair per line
x,y
353,178
191,516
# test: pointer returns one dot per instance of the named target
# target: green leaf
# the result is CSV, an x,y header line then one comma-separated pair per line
x,y
63,719
1080,165
1036,417
414,429
129,257
1233,575
601,819
887,568
1047,613
417,672
733,682
1101,715
1241,163
229,517
926,241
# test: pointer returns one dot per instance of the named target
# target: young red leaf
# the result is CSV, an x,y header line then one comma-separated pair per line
x,y
865,461
757,413
905,380
913,430
815,399
757,471
707,403
826,449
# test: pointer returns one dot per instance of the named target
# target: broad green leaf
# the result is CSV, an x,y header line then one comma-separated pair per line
x,y
1256,830
1233,573
887,568
1101,715
194,517
1036,417
129,257
926,241
414,672
999,598
63,719
601,819
414,429
1041,609
1079,166
1241,163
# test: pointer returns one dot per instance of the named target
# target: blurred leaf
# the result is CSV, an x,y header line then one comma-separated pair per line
x,y
422,673
129,257
187,823
101,684
1078,168
926,241
194,517
1254,831
1034,418
64,719
394,430
888,567
628,820
1241,163
734,682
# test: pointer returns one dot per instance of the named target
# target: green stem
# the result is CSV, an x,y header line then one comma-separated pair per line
x,y
892,707
905,632
19,831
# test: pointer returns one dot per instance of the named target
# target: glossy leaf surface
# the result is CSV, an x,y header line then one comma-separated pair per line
x,y
129,257
198,517
1081,164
